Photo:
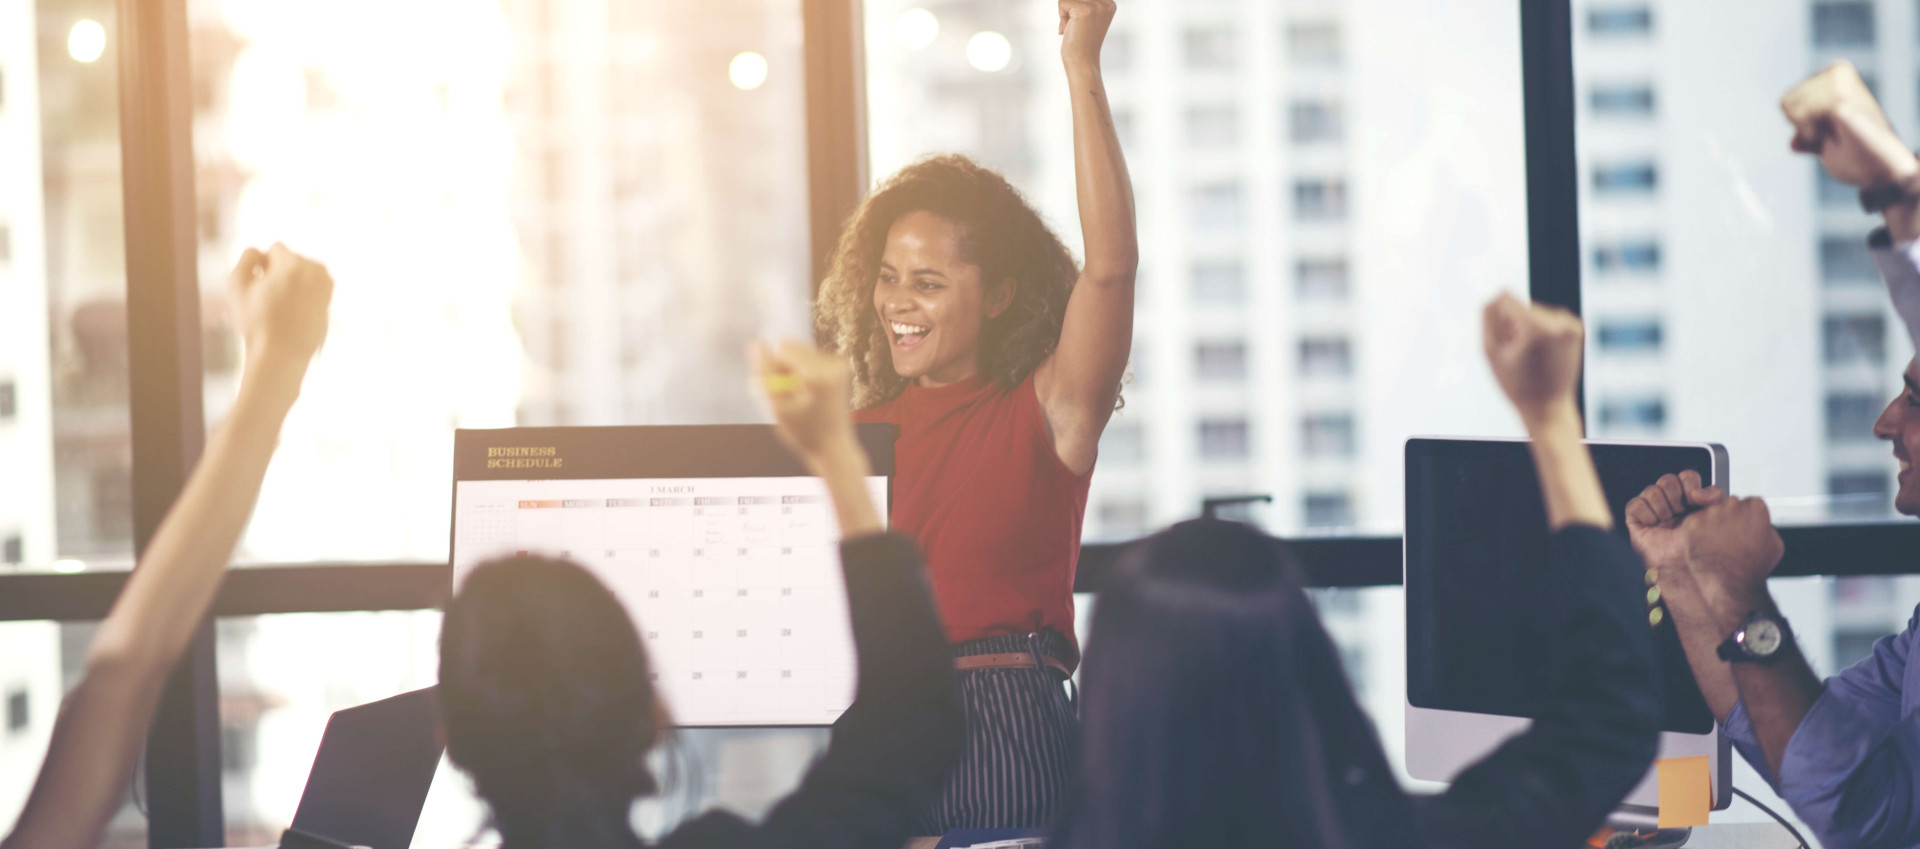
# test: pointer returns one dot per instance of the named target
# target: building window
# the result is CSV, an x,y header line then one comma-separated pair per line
x,y
9,400
1213,126
1221,283
1316,121
1629,178
1211,48
1320,199
1123,442
1850,416
1328,509
1843,24
6,244
19,715
1640,336
13,550
1320,278
1326,356
1225,439
1634,257
1215,361
1314,45
1865,493
1620,20
1327,435
1833,192
1850,339
1217,208
1633,413
1621,101
1845,259
1123,517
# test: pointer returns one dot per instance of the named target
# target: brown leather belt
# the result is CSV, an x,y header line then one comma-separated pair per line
x,y
1010,660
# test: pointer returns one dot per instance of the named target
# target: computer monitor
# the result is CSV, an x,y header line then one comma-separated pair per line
x,y
1485,623
721,546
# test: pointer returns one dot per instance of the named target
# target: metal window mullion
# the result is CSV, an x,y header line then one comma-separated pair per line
x,y
1553,180
835,59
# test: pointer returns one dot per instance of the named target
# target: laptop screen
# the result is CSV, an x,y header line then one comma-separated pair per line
x,y
372,773
721,547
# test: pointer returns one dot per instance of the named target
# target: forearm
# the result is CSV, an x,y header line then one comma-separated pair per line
x,y
1104,189
1568,482
844,468
1700,637
1903,221
1777,695
102,724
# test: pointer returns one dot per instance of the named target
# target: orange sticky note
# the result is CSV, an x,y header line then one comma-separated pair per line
x,y
1685,792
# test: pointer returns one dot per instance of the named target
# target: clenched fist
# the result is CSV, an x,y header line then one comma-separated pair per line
x,y
808,390
1535,353
1084,23
1731,549
1835,117
280,301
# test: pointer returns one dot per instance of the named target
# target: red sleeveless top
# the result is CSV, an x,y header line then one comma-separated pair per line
x,y
978,485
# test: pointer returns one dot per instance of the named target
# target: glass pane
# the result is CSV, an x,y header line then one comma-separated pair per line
x,y
63,317
1728,287
1269,141
550,212
42,662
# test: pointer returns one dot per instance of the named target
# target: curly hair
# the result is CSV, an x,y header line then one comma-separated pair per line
x,y
1005,238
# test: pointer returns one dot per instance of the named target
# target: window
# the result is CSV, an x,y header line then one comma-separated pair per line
x,y
1326,356
1217,208
1320,199
1858,494
1632,178
1123,442
1849,339
1314,45
1211,48
1617,20
1315,121
1219,283
1637,336
1215,361
1633,414
1117,57
1846,259
1848,24
1213,126
9,400
1622,101
1123,518
1322,278
6,244
1327,509
1627,257
1833,193
1327,436
13,549
1224,439
1850,416
18,714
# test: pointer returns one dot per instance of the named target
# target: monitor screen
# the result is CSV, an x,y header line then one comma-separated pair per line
x,y
722,549
1486,615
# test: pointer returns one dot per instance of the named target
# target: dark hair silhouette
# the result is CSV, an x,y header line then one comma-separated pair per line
x,y
546,701
1216,712
1005,237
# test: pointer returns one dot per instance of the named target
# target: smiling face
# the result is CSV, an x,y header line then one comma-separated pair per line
x,y
931,301
1900,425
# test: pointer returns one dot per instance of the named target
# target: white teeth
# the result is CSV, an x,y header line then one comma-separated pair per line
x,y
907,329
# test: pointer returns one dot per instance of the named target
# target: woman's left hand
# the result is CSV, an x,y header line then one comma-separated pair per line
x,y
1083,25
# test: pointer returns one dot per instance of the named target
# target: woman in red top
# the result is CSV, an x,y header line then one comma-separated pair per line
x,y
970,327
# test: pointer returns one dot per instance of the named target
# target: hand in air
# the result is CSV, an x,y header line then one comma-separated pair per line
x,y
1731,549
280,301
1653,524
1534,351
1084,23
1835,117
808,391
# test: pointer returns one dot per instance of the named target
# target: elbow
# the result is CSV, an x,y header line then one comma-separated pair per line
x,y
1112,274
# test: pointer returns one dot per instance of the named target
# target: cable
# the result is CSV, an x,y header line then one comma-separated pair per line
x,y
1769,812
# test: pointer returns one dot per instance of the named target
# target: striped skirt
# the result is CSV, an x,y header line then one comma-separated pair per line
x,y
1022,734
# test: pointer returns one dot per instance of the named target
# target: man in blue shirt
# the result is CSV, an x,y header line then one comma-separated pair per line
x,y
1845,753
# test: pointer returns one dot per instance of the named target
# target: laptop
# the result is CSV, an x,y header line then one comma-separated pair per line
x,y
371,776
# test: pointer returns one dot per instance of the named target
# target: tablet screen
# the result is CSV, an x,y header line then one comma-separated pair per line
x,y
1487,611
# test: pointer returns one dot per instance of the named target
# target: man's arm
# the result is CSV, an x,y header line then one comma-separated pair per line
x,y
98,735
1653,522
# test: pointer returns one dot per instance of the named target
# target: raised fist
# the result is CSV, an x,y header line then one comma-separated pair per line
x,y
1534,351
1732,548
1083,23
1835,117
808,391
1653,524
280,299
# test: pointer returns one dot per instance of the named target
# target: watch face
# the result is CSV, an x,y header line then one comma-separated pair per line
x,y
1762,638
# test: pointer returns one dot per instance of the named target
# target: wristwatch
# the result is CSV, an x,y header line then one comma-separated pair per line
x,y
1759,639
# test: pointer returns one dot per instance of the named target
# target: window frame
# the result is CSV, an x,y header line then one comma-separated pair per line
x,y
156,110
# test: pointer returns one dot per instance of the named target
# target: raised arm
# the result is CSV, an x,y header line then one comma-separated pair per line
x,y
282,302
1080,383
1535,354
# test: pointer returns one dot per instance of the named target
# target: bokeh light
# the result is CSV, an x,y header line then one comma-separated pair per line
x,y
86,41
748,71
916,28
989,51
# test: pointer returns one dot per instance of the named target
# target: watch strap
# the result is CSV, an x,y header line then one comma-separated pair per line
x,y
1879,196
